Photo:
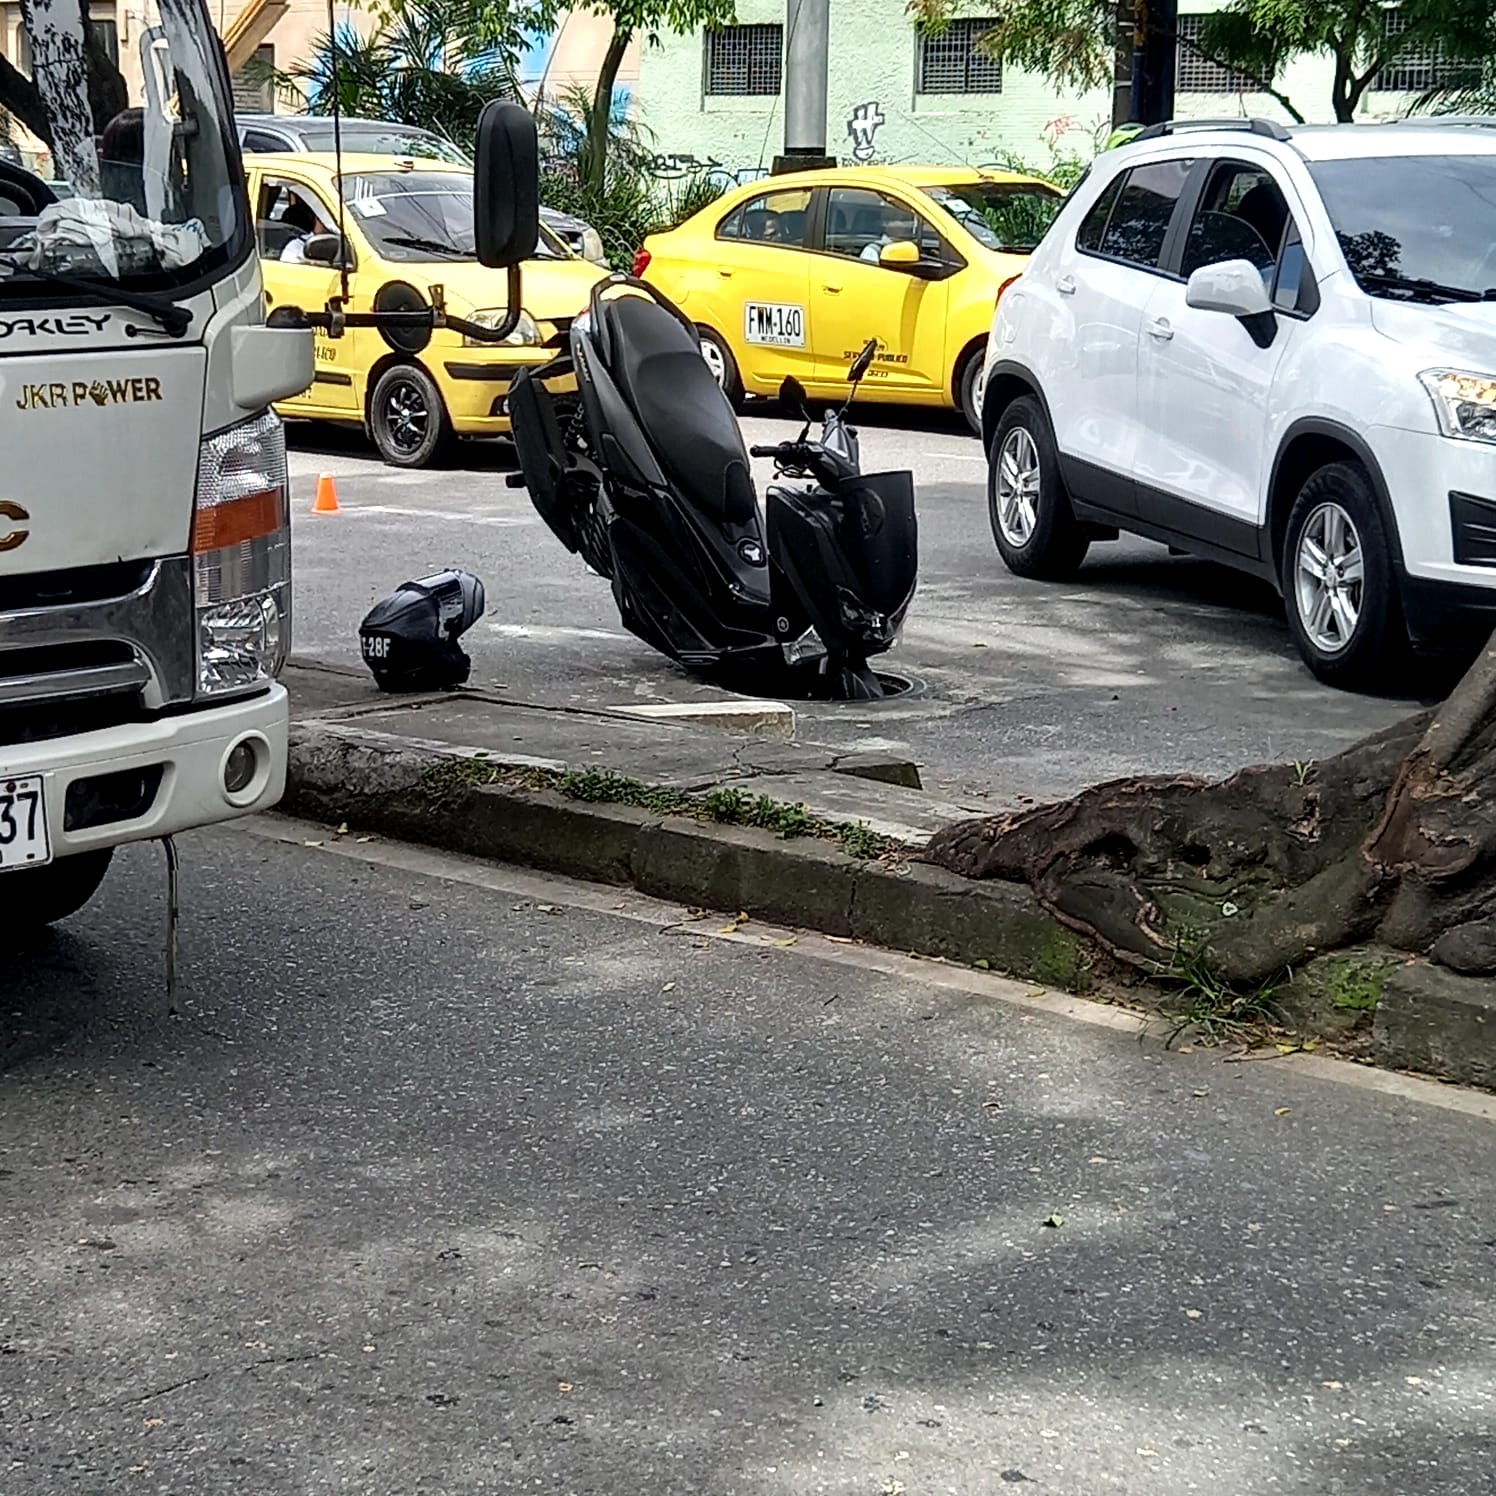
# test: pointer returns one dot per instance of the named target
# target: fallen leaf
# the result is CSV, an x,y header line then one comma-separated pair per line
x,y
154,1422
901,1454
668,987
343,829
982,965
1049,1433
992,1104
1039,992
364,839
1055,1221
1282,1111
1333,1386
1200,1091
305,844
368,1350
1192,1314
563,1386
784,945
1147,1453
137,1469
1414,1381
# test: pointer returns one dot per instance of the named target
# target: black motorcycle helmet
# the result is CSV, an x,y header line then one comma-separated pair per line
x,y
409,640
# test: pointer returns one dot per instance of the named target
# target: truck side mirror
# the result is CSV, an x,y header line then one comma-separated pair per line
x,y
506,185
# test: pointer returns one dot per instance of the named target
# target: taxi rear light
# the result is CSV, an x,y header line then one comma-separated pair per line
x,y
234,521
641,262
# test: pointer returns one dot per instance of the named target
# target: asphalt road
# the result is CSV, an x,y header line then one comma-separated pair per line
x,y
472,1183
1146,664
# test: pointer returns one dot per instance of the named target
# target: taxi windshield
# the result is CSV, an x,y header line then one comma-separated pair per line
x,y
115,159
424,216
1008,216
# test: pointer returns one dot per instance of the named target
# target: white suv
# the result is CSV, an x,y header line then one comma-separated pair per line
x,y
1276,349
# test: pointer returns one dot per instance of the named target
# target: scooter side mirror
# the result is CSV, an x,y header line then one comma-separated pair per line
x,y
863,362
506,185
792,394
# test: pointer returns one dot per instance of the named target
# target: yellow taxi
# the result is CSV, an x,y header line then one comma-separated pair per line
x,y
793,274
409,221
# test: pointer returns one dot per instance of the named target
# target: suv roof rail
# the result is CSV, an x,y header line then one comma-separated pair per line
x,y
1271,128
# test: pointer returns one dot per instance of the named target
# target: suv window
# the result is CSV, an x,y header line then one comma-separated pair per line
x,y
1093,226
1243,215
859,223
263,140
770,218
1139,223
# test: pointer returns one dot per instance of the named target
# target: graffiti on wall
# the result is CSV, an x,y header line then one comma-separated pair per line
x,y
676,166
863,125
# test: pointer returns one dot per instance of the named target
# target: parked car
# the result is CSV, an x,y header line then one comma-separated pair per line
x,y
1274,347
792,275
314,132
412,221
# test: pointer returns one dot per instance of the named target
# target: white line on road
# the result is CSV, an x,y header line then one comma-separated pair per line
x,y
770,940
544,631
454,516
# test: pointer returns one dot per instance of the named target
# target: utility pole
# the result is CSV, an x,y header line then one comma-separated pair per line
x,y
1153,61
807,40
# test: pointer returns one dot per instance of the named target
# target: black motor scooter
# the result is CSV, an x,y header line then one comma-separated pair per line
x,y
643,472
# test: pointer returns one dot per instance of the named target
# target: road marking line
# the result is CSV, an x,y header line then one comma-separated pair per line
x,y
454,516
674,919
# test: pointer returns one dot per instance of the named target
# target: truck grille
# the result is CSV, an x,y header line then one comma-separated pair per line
x,y
51,691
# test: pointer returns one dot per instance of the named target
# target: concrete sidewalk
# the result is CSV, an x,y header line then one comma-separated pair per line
x,y
742,817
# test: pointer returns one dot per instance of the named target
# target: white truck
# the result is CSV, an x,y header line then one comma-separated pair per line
x,y
145,559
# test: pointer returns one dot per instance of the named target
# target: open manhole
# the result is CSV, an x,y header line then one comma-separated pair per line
x,y
810,685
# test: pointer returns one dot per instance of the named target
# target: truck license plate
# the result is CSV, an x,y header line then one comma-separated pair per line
x,y
23,824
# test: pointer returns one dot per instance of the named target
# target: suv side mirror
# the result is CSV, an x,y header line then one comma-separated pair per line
x,y
1233,287
506,185
327,249
900,255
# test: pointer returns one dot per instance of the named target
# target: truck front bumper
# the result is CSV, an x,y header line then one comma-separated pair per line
x,y
152,779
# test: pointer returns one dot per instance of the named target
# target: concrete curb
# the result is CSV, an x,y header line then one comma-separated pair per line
x,y
341,775
1425,1019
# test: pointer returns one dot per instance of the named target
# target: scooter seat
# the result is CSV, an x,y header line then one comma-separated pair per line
x,y
686,418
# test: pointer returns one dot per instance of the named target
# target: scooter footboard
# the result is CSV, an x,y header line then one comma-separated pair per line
x,y
543,460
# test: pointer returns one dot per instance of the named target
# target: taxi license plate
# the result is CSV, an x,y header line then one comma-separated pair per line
x,y
777,325
23,824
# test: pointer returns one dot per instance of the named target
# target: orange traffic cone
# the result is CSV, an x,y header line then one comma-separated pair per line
x,y
326,501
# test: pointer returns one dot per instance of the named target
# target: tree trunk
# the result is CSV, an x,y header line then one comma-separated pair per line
x,y
1340,89
1392,840
595,159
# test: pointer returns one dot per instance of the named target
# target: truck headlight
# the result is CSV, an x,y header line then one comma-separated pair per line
x,y
525,334
241,550
1464,403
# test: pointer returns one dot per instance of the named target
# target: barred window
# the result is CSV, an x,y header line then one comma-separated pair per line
x,y
744,60
1196,74
951,63
1419,69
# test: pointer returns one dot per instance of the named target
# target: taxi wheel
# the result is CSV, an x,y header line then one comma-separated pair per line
x,y
969,393
407,417
723,365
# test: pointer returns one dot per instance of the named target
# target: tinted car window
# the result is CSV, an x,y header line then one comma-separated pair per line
x,y
262,140
770,218
860,223
1094,224
1140,222
1242,216
1406,220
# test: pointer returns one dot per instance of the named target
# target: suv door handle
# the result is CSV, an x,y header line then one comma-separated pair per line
x,y
1159,328
1065,285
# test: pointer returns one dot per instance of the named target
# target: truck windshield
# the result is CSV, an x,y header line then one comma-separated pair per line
x,y
424,215
115,157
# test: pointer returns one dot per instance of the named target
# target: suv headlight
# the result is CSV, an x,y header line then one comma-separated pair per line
x,y
525,335
241,552
1464,403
